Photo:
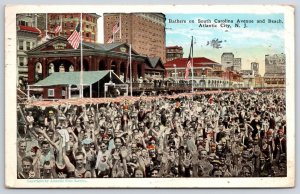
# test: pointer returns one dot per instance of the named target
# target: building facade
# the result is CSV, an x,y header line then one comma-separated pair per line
x,y
57,55
144,31
48,22
255,67
275,64
27,38
275,69
237,64
227,60
174,52
207,73
248,78
259,81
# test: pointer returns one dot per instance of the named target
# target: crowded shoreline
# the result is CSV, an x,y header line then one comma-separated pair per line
x,y
207,134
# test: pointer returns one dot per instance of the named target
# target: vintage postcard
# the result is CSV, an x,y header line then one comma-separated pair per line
x,y
149,96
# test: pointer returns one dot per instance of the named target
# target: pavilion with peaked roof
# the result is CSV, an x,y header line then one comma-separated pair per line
x,y
57,55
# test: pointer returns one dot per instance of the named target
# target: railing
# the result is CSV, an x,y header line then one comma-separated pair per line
x,y
181,86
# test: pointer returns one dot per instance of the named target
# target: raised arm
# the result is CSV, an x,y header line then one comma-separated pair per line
x,y
43,132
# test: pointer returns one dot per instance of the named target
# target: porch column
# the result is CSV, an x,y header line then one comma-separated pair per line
x,y
69,91
94,65
126,74
91,91
118,68
76,66
31,70
134,71
108,64
143,70
90,64
44,66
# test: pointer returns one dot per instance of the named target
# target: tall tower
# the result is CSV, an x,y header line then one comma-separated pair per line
x,y
237,64
255,67
227,60
144,31
275,69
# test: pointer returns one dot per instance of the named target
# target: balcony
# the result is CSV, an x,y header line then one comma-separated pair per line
x,y
186,86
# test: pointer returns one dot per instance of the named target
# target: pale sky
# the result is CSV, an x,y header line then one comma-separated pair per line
x,y
251,43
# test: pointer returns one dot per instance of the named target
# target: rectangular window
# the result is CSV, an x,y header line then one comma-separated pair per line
x,y
21,46
50,92
63,93
21,61
23,23
27,46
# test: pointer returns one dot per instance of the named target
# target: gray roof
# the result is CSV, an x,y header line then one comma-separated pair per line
x,y
73,78
153,61
104,47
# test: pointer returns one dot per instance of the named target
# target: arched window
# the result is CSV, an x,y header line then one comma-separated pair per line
x,y
38,71
38,67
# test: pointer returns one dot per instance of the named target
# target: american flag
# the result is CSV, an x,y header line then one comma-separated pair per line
x,y
110,40
189,63
211,99
187,69
57,29
74,39
116,28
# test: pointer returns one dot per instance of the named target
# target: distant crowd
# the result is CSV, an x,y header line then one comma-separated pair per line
x,y
240,134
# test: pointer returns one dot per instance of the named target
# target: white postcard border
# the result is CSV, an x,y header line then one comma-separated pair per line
x,y
10,103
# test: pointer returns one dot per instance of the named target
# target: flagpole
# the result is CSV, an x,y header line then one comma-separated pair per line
x,y
81,59
60,25
130,70
46,26
120,28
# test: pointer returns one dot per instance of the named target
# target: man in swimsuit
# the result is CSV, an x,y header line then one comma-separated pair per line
x,y
80,171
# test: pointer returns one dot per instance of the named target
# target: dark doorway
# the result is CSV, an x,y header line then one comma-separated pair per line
x,y
102,65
